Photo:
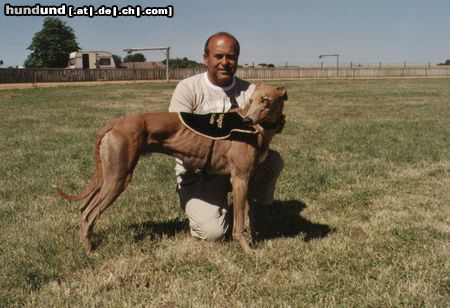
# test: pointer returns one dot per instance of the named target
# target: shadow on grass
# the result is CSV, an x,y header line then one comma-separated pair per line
x,y
283,219
157,230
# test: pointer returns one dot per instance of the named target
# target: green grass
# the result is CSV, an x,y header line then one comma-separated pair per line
x,y
361,219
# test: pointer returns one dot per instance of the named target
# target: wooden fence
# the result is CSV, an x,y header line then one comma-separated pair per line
x,y
358,72
69,75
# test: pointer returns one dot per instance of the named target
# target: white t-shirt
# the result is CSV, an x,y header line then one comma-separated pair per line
x,y
198,95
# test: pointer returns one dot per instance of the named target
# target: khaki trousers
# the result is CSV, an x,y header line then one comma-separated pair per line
x,y
204,198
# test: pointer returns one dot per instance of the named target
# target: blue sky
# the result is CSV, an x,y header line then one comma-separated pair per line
x,y
361,31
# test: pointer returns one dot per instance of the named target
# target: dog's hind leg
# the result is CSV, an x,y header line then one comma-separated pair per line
x,y
88,200
111,190
85,227
117,165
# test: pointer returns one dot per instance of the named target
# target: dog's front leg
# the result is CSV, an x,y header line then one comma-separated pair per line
x,y
240,206
250,210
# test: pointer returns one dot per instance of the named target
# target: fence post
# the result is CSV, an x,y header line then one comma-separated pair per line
x,y
34,79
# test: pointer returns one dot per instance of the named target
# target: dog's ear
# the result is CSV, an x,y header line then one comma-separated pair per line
x,y
283,93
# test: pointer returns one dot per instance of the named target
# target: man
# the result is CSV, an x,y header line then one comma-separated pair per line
x,y
204,198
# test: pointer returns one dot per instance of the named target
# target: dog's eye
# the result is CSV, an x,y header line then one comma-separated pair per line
x,y
266,101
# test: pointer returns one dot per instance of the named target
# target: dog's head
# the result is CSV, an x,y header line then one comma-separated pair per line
x,y
266,107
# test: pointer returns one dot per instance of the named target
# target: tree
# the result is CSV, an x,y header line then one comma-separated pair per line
x,y
136,57
52,45
183,63
447,62
266,65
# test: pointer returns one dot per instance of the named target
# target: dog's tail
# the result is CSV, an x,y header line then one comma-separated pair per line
x,y
97,178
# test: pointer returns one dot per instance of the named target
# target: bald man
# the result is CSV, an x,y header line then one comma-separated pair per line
x,y
204,198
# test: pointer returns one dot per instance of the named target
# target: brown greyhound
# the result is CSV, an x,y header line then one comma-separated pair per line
x,y
120,144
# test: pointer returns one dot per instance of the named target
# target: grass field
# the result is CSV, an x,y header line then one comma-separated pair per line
x,y
362,216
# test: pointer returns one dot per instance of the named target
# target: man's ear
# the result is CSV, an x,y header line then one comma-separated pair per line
x,y
283,93
205,59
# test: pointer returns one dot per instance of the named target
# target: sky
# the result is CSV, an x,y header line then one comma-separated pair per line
x,y
277,32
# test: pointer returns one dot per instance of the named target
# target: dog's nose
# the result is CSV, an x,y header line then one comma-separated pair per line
x,y
247,121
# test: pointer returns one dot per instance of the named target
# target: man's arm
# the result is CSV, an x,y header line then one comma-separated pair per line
x,y
182,99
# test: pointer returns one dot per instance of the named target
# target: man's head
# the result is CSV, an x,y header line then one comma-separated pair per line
x,y
221,57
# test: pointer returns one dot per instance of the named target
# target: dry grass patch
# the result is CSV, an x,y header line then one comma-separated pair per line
x,y
361,217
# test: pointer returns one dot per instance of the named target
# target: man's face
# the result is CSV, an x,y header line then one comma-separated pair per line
x,y
222,60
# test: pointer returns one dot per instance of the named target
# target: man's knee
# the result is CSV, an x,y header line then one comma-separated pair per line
x,y
273,164
211,230
275,161
208,218
266,176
